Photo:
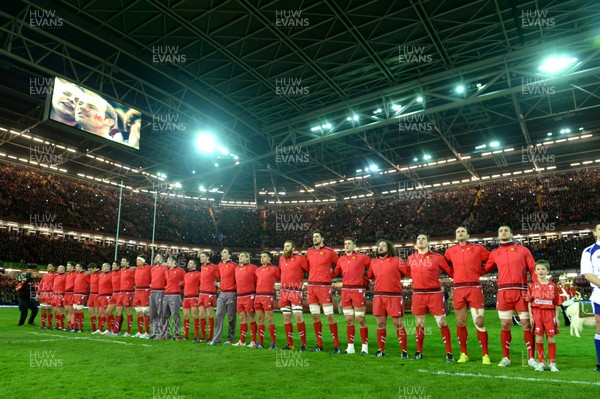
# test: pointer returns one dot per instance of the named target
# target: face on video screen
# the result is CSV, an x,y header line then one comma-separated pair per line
x,y
65,97
86,110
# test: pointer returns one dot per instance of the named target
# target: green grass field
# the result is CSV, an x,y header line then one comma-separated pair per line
x,y
56,364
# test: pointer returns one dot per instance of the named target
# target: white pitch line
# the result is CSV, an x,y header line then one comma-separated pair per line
x,y
89,339
507,377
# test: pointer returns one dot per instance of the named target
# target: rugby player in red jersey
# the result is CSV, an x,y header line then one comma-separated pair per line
x,y
93,298
158,283
227,299
46,297
141,298
125,300
321,259
513,261
424,268
388,270
266,276
80,295
207,300
68,299
172,300
292,267
191,290
58,294
115,298
353,267
467,260
105,291
245,283
544,302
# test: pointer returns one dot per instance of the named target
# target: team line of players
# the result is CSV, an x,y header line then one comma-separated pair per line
x,y
155,294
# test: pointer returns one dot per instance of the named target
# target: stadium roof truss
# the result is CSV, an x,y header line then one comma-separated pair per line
x,y
307,93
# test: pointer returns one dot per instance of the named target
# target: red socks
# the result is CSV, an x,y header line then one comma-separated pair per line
x,y
505,338
350,331
318,326
289,333
482,336
334,334
381,336
302,332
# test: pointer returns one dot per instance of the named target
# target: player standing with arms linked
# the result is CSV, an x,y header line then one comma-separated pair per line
x,y
424,268
387,270
353,268
513,262
245,283
292,266
466,260
320,261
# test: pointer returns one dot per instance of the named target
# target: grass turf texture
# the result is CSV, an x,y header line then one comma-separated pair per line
x,y
54,364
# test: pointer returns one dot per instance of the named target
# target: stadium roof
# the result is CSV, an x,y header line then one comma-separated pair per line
x,y
311,92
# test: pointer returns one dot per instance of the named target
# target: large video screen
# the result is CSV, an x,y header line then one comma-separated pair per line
x,y
88,111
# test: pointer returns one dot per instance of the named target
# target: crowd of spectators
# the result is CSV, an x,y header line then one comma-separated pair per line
x,y
543,203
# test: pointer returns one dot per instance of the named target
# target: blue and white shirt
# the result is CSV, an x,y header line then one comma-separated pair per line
x,y
590,263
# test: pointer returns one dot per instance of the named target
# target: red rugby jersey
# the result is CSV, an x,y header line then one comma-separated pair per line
x,y
292,271
143,276
245,279
424,270
209,273
513,261
116,280
388,273
352,268
105,284
127,279
191,284
543,296
94,282
266,276
82,283
159,281
227,276
60,281
47,281
467,262
320,262
70,282
174,277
